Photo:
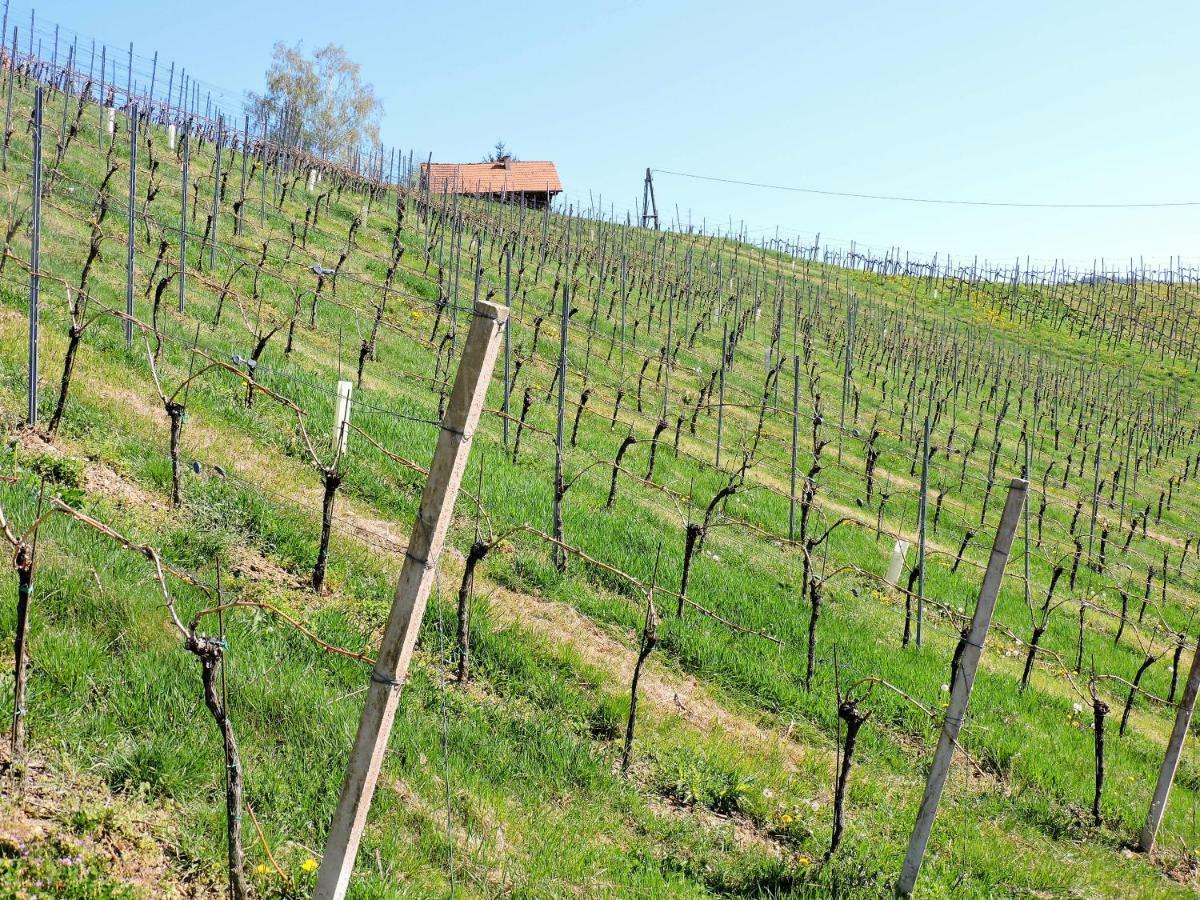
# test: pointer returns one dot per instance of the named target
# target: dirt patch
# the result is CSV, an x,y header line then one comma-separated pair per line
x,y
380,533
744,834
33,442
675,694
102,479
248,563
66,824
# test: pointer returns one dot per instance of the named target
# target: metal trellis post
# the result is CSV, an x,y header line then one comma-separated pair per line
x,y
35,256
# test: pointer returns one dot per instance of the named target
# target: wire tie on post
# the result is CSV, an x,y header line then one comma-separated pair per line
x,y
424,563
386,680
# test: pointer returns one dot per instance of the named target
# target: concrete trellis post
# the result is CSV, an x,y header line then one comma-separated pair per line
x,y
896,563
1166,775
970,649
412,593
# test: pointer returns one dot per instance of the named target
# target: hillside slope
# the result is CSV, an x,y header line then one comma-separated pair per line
x,y
509,783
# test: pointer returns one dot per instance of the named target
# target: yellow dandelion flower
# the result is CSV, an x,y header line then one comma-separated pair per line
x,y
804,861
261,869
786,819
309,865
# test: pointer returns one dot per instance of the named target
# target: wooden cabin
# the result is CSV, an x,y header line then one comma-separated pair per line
x,y
533,183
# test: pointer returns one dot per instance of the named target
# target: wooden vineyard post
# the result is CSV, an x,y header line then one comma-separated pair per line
x,y
1166,775
970,649
412,592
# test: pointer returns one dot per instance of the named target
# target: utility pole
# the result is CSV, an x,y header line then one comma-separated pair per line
x,y
649,204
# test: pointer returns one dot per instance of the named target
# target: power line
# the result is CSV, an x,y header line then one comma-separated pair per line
x,y
940,201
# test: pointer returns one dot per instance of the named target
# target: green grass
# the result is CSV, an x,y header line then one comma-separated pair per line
x,y
536,806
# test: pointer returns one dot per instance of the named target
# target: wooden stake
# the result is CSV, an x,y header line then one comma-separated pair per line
x,y
970,648
412,593
1166,775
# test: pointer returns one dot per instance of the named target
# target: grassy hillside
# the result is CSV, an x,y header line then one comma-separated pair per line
x,y
509,783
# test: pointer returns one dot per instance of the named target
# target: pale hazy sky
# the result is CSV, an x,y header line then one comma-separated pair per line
x,y
1067,102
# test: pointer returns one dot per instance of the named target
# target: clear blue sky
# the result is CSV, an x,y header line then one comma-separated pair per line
x,y
1020,101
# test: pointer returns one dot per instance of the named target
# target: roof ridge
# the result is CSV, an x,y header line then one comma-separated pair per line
x,y
516,162
492,177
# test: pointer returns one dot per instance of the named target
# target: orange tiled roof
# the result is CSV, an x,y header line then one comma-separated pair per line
x,y
491,178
